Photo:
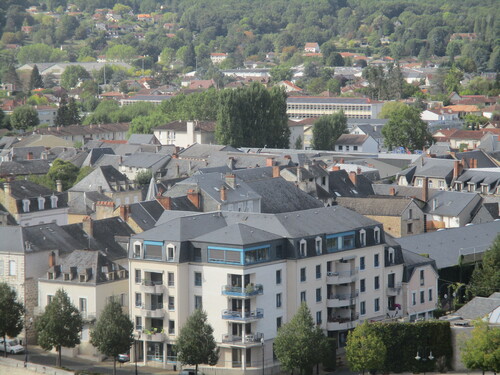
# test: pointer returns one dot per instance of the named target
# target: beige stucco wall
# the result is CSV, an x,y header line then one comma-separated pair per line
x,y
392,224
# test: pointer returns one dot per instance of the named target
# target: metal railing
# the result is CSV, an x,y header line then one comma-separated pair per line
x,y
243,315
246,338
248,291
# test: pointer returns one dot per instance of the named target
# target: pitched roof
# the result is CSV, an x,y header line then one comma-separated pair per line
x,y
207,126
81,130
237,234
378,206
106,177
352,139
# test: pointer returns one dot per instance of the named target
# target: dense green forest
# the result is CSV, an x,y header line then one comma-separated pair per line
x,y
250,29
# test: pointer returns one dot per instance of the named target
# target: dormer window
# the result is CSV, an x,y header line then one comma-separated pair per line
x,y
170,253
137,250
41,203
318,243
391,255
362,237
122,274
83,278
26,205
376,235
303,248
484,189
50,276
66,277
53,201
111,276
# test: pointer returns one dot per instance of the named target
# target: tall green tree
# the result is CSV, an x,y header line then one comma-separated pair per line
x,y
60,325
485,278
10,76
452,80
72,75
253,116
67,113
300,344
11,313
327,129
36,80
24,117
365,350
113,332
482,350
281,73
406,129
196,344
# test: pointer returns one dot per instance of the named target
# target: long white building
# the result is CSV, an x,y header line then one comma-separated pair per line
x,y
251,271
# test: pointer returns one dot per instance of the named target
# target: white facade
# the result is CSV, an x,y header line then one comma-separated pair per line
x,y
184,138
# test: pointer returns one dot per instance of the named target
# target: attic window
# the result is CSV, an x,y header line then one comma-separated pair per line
x,y
111,276
66,277
362,237
318,244
83,278
303,248
484,189
391,255
51,276
376,235
41,203
26,205
53,201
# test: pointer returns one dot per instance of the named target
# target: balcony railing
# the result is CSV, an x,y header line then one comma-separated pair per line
x,y
151,286
248,338
153,310
342,277
238,291
88,315
394,289
243,315
156,358
342,297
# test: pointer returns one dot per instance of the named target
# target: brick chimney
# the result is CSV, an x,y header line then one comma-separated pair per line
x,y
88,226
52,259
353,177
230,162
342,160
59,187
7,188
231,180
276,171
29,156
425,190
194,197
166,202
269,162
223,196
457,167
124,212
392,191
336,168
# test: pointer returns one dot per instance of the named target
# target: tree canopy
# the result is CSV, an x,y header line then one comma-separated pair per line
x,y
72,75
253,116
327,129
485,278
60,325
482,350
406,129
196,344
300,344
113,332
365,350
24,117
11,311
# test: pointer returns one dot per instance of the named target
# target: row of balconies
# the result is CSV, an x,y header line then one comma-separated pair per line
x,y
243,316
247,339
238,291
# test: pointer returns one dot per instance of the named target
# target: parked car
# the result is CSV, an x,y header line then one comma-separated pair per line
x,y
190,371
122,358
12,346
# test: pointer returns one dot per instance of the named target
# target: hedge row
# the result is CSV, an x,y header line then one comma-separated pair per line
x,y
404,340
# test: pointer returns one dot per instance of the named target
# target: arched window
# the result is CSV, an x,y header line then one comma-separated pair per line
x,y
303,248
362,237
319,247
376,234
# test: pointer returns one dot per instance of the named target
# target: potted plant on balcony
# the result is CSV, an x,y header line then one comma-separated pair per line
x,y
250,288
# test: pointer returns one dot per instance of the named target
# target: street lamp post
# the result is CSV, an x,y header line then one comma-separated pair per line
x,y
135,351
262,342
430,357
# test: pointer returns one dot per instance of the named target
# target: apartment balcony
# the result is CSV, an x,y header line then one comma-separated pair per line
x,y
247,340
243,292
341,300
243,316
394,290
152,311
341,277
88,316
153,335
340,324
154,287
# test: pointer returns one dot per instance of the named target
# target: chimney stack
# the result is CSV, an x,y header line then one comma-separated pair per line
x,y
29,156
230,163
392,191
52,259
425,190
88,226
166,202
59,187
7,188
276,171
104,209
269,162
353,177
223,193
124,212
456,169
194,197
231,180
336,168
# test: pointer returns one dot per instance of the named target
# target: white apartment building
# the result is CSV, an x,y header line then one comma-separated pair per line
x,y
301,107
251,271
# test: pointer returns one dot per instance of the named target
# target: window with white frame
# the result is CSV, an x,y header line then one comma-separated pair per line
x,y
318,245
41,203
362,308
303,248
53,201
376,235
362,237
26,205
137,250
12,268
170,253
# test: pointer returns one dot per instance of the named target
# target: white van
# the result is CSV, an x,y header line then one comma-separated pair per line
x,y
13,346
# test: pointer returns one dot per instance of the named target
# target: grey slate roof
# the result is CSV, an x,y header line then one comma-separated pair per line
x,y
146,160
279,195
411,261
24,167
478,307
351,139
237,234
95,154
200,151
107,177
451,203
142,139
445,246
379,206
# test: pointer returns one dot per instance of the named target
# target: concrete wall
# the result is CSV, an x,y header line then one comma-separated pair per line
x,y
15,367
458,336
